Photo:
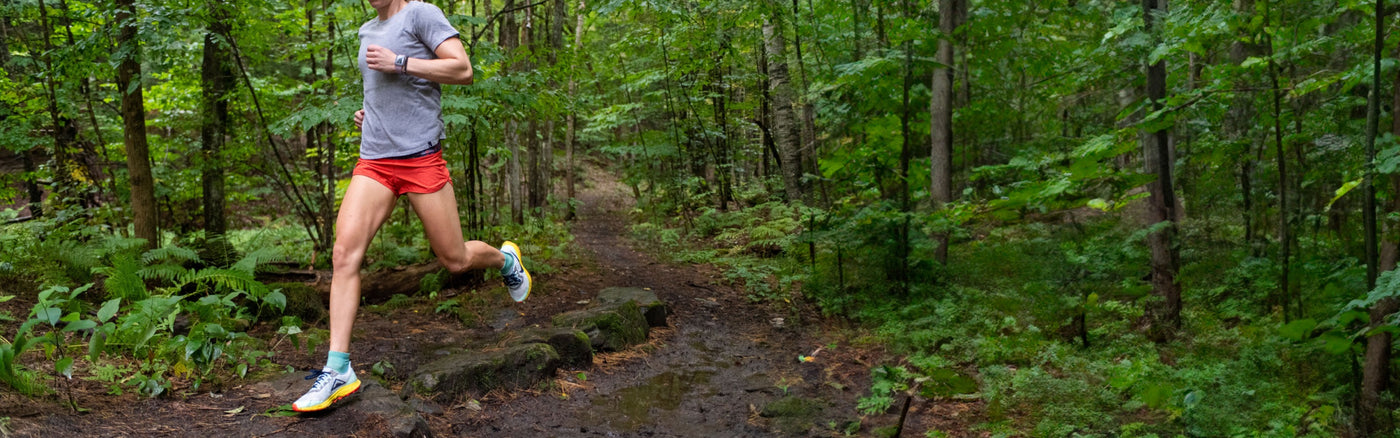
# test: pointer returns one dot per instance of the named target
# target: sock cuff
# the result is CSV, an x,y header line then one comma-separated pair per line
x,y
338,361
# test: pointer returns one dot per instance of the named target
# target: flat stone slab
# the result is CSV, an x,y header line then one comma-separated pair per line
x,y
444,380
574,347
609,327
400,418
651,307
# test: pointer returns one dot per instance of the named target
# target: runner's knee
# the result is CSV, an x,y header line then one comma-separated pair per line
x,y
455,265
345,259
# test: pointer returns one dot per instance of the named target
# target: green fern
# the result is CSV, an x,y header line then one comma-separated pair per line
x,y
77,260
250,262
225,279
168,273
116,244
170,254
124,279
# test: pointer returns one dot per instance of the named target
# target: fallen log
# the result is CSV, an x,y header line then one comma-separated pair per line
x,y
379,286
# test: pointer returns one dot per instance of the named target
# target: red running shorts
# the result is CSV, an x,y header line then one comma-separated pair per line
x,y
425,174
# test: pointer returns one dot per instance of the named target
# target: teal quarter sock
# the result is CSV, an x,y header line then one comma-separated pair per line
x,y
338,361
509,265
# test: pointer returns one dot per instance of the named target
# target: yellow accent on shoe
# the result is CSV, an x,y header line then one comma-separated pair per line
x,y
348,389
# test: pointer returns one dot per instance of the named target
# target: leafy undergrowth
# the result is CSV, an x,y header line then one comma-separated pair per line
x,y
79,302
1042,322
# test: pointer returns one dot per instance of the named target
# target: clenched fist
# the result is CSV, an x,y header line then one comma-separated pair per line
x,y
380,59
360,119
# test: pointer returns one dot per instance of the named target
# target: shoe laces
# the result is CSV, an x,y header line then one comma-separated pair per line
x,y
321,376
515,278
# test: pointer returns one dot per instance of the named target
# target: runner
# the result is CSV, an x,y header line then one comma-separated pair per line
x,y
405,53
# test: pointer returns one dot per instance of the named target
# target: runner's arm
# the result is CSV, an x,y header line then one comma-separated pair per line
x,y
451,67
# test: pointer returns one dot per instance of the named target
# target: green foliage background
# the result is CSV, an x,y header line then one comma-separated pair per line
x,y
1037,313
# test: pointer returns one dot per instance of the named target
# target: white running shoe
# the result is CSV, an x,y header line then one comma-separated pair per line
x,y
518,279
330,386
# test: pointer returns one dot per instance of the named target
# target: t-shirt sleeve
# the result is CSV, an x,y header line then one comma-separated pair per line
x,y
432,28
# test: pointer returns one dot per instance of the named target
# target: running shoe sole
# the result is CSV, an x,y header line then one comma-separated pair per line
x,y
349,388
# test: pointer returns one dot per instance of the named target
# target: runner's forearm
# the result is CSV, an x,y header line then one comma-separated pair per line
x,y
451,71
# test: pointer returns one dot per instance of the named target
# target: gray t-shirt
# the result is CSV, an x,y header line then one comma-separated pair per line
x,y
403,113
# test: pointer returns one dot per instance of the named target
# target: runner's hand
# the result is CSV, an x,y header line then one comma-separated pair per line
x,y
380,59
360,119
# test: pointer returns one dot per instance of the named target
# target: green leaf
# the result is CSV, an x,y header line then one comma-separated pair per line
x,y
64,366
1342,191
96,345
50,315
1099,204
1298,330
276,299
1192,398
1335,345
1156,395
109,309
82,324
4,298
281,411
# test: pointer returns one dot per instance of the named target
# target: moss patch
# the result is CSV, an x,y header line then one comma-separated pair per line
x,y
303,301
621,326
794,415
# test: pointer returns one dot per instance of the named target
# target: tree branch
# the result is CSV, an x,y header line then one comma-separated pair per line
x,y
476,36
301,201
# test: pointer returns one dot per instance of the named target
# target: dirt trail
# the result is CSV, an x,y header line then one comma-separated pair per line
x,y
723,361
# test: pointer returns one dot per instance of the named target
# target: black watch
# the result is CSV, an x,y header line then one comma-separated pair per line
x,y
401,62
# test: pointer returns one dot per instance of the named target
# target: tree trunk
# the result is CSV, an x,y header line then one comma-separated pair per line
x,y
510,40
534,165
486,7
1376,370
329,172
571,134
941,116
513,182
216,80
556,29
1390,238
780,91
1165,316
31,184
721,146
1285,241
1238,120
138,161
547,161
62,133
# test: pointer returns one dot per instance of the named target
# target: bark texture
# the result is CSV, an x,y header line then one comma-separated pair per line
x,y
780,93
138,161
216,80
941,112
1166,315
